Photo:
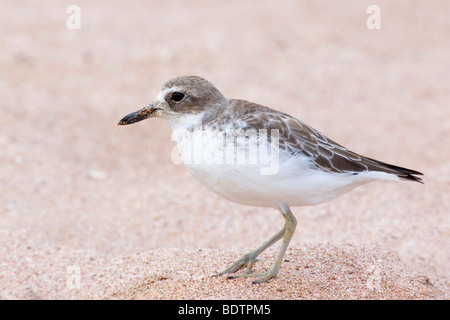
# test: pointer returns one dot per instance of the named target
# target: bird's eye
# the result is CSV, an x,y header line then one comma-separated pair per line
x,y
177,96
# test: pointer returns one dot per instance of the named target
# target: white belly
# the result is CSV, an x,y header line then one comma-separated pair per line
x,y
247,186
264,179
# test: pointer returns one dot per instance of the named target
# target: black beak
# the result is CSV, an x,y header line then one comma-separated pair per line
x,y
137,116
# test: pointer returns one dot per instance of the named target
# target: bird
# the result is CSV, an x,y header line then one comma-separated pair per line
x,y
257,156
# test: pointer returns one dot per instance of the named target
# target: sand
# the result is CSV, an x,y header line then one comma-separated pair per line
x,y
90,210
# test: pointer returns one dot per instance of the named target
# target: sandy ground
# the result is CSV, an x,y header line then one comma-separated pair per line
x,y
90,210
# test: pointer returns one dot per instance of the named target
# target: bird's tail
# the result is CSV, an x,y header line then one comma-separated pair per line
x,y
402,173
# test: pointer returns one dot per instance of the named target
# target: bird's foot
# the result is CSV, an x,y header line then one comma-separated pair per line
x,y
260,277
247,260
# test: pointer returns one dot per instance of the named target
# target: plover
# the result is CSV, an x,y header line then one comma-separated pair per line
x,y
257,156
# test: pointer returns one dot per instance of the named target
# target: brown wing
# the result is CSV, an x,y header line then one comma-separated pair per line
x,y
297,137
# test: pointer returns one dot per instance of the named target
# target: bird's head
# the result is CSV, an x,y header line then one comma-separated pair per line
x,y
181,101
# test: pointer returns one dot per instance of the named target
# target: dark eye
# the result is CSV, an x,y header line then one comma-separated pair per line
x,y
177,96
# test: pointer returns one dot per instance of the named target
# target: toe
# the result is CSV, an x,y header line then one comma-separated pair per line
x,y
263,278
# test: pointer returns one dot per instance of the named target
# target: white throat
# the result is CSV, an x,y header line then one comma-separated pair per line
x,y
185,121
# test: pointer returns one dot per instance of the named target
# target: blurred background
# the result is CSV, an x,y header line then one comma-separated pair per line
x,y
73,184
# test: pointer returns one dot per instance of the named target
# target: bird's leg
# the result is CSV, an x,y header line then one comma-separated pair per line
x,y
248,259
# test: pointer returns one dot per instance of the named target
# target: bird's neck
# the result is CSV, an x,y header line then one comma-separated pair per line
x,y
195,121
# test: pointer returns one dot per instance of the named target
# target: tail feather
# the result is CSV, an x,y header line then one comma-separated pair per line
x,y
402,173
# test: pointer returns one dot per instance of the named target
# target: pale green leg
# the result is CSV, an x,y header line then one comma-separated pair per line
x,y
248,259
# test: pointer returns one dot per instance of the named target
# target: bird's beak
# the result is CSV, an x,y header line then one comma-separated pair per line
x,y
139,115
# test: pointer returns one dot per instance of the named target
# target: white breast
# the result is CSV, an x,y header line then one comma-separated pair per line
x,y
252,177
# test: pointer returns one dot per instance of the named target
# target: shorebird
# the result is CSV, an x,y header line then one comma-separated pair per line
x,y
254,155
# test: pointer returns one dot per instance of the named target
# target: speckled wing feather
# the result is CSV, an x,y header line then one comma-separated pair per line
x,y
297,137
